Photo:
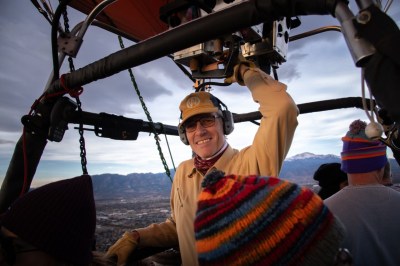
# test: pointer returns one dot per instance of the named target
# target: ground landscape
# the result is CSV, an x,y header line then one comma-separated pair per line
x,y
114,217
137,200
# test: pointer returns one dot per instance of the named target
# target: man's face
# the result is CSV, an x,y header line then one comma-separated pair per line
x,y
205,134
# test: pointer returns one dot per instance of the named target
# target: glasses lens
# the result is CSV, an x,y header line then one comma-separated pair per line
x,y
191,125
207,121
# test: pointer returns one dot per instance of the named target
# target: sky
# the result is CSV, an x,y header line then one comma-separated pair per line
x,y
318,68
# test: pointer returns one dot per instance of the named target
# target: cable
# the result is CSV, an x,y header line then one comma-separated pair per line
x,y
370,116
374,129
387,6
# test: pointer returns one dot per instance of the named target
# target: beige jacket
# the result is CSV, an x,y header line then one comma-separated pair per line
x,y
264,157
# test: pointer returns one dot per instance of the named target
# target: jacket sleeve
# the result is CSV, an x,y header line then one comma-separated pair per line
x,y
278,123
159,235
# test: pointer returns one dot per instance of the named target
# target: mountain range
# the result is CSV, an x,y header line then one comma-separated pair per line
x,y
299,169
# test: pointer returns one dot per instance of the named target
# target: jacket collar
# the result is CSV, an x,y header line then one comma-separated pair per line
x,y
220,164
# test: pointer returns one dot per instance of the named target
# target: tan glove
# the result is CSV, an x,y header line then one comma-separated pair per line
x,y
123,247
239,69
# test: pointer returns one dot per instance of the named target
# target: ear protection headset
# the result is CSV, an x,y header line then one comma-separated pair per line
x,y
227,120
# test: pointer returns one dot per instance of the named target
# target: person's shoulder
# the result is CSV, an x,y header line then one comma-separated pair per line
x,y
395,187
185,165
337,198
394,190
230,151
186,162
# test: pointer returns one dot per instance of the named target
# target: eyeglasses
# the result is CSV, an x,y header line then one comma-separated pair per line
x,y
207,121
11,246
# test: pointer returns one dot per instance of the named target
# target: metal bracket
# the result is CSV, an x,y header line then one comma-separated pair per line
x,y
69,44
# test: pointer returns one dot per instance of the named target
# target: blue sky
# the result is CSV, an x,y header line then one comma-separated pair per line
x,y
318,68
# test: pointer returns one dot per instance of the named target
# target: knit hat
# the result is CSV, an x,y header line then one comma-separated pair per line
x,y
201,102
329,177
255,220
58,218
361,154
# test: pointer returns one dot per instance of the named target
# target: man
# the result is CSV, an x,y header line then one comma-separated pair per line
x,y
365,206
204,126
387,179
330,178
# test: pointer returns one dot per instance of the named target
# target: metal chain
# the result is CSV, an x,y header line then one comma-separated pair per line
x,y
79,104
157,139
66,20
82,139
71,64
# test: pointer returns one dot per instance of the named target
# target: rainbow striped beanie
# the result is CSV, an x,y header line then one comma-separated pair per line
x,y
253,220
361,154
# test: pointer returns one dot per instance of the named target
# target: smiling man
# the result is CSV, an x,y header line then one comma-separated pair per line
x,y
205,123
206,139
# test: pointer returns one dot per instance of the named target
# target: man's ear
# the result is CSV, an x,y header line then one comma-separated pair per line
x,y
228,124
182,134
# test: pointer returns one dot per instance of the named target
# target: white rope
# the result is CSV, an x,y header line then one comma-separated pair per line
x,y
364,101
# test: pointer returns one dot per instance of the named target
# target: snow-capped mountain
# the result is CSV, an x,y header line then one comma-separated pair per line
x,y
309,155
299,169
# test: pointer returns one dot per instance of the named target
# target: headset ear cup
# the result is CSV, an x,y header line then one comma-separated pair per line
x,y
182,135
374,130
228,122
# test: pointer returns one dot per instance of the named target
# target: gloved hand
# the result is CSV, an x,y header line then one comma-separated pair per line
x,y
123,247
238,70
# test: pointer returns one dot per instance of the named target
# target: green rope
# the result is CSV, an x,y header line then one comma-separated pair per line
x,y
169,149
153,129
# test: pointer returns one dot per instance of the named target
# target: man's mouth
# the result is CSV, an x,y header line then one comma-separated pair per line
x,y
203,141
